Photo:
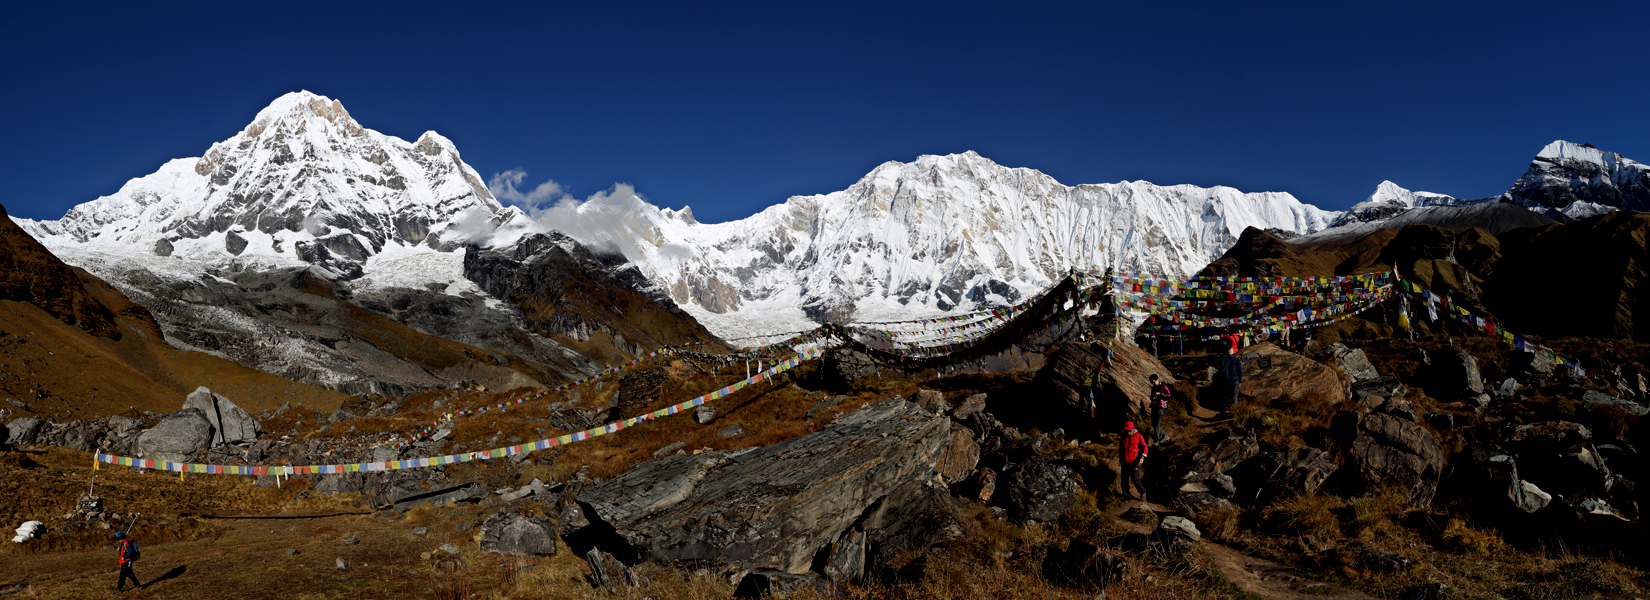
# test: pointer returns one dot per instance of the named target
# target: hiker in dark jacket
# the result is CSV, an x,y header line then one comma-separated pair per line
x,y
128,555
1230,375
1161,392
1132,457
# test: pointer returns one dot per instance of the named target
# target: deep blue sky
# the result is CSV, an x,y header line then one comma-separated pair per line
x,y
733,108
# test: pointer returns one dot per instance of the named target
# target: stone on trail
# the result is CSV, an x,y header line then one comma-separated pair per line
x,y
772,507
177,437
1177,535
509,532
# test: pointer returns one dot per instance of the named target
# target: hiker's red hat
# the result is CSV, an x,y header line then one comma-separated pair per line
x,y
1128,425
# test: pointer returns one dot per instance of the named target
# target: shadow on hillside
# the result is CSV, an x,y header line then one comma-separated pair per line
x,y
175,573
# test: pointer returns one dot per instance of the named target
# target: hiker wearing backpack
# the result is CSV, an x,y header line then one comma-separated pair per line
x,y
1132,457
128,553
1161,393
1229,374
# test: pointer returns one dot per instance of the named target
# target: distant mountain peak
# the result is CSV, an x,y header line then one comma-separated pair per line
x,y
1581,180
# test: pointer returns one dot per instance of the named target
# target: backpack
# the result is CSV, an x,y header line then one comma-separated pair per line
x,y
132,551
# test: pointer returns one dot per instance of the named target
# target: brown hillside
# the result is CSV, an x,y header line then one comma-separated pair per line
x,y
71,346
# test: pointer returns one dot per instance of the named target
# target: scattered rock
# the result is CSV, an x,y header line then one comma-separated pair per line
x,y
979,486
1195,504
449,549
420,530
339,562
969,407
443,495
350,541
1398,407
704,414
610,573
829,402
177,437
1176,535
669,448
1350,361
1221,450
573,419
731,431
931,401
509,532
1602,400
291,551
1298,472
1040,489
1214,483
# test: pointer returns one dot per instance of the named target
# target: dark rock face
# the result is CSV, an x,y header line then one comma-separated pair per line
x,y
1221,451
1560,178
1382,387
1455,374
234,243
1384,450
773,583
1176,535
1561,457
31,273
906,522
1301,471
843,368
1123,391
1040,489
573,419
1606,401
637,389
610,573
509,532
770,507
177,437
230,423
846,562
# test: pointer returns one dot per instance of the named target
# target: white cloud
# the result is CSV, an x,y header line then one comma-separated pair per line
x,y
503,185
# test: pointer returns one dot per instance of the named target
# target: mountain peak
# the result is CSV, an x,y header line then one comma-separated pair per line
x,y
1560,149
302,104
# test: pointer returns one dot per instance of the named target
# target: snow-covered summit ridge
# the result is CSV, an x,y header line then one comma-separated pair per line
x,y
938,234
1387,200
303,183
1565,173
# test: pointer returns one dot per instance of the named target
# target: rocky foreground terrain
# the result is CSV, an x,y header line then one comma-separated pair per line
x,y
1384,469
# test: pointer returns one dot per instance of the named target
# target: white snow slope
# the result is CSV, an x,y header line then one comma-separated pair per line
x,y
941,234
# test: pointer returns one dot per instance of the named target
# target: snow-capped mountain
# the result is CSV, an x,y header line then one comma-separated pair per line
x,y
942,233
1390,199
303,184
1581,180
314,248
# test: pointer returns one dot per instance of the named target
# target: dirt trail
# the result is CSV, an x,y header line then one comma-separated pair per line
x,y
1261,577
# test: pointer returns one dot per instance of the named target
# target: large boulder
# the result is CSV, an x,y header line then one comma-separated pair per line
x,y
931,401
573,419
1384,450
1040,489
906,523
1386,386
1272,375
769,507
1220,451
1350,361
177,437
1123,392
510,532
843,368
1602,401
1454,374
230,423
1560,457
23,431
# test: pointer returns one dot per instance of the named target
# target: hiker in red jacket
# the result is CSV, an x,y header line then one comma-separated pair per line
x,y
128,554
1133,457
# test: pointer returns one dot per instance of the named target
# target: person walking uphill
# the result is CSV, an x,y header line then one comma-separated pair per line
x,y
1161,392
128,553
1230,374
1133,457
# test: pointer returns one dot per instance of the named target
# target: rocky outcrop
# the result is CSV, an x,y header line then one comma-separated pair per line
x,y
843,368
962,454
1274,376
906,523
1384,450
1454,374
1123,389
23,431
177,437
510,532
1350,361
770,507
1040,489
230,423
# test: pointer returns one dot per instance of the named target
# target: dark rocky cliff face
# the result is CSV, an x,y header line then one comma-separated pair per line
x,y
31,273
596,303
